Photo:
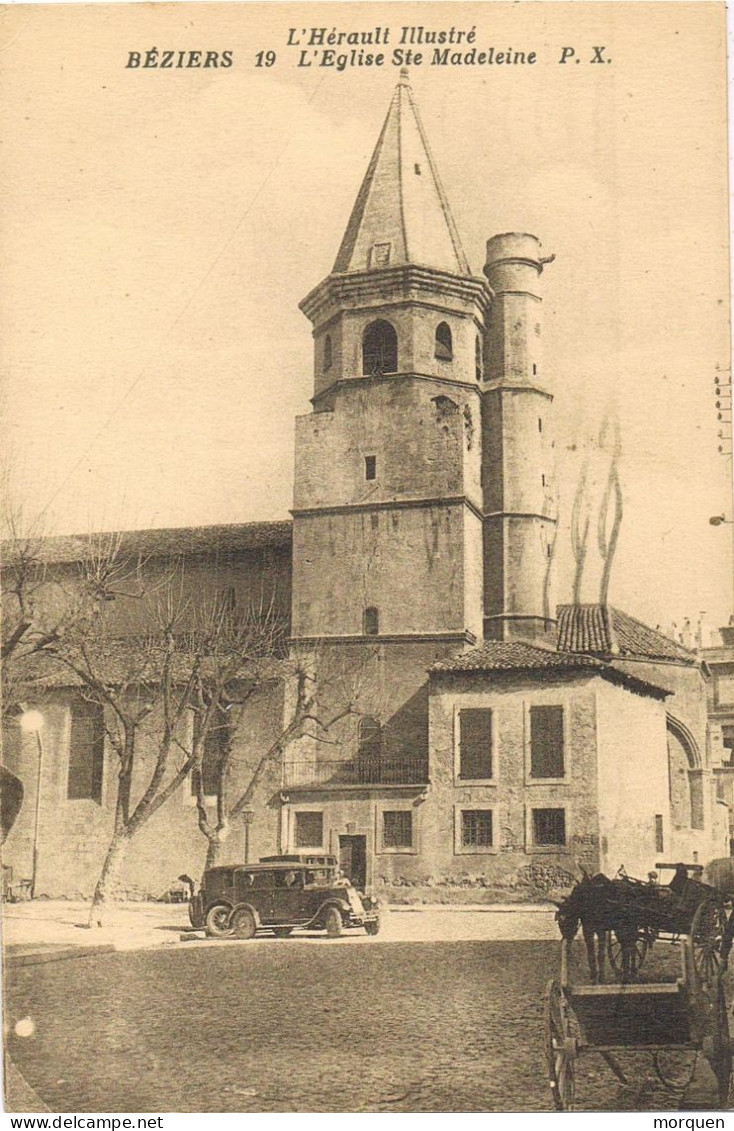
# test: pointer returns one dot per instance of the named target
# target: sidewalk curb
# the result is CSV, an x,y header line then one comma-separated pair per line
x,y
482,908
39,957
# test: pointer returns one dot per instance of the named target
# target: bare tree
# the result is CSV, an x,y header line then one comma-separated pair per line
x,y
580,522
607,537
323,689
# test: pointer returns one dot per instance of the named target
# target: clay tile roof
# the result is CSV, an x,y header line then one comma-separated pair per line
x,y
401,203
517,656
511,655
606,631
172,542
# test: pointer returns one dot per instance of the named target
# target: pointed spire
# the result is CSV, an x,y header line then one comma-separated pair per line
x,y
401,214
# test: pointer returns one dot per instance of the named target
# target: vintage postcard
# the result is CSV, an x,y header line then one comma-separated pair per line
x,y
368,648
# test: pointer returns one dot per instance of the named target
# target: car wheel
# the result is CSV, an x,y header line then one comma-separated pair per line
x,y
217,921
243,924
372,928
333,922
282,932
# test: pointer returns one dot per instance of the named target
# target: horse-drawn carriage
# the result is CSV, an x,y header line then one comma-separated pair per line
x,y
670,1020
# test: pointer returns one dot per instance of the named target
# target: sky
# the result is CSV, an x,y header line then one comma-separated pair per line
x,y
160,228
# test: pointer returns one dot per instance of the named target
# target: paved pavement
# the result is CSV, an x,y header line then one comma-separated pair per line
x,y
317,1025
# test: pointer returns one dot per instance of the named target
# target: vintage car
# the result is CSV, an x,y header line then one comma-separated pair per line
x,y
241,899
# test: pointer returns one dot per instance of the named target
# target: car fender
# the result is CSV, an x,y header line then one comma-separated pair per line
x,y
215,903
247,907
342,905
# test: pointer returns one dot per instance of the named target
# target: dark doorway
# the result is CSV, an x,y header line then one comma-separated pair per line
x,y
353,859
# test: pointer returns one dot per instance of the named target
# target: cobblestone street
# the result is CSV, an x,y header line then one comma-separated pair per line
x,y
315,1025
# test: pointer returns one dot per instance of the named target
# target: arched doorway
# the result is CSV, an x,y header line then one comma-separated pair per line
x,y
685,777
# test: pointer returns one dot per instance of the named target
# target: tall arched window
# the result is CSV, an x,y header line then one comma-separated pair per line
x,y
370,621
444,350
685,777
369,740
328,356
86,752
478,358
379,349
369,750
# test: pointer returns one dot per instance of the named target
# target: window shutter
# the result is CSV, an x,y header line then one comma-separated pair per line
x,y
546,742
475,743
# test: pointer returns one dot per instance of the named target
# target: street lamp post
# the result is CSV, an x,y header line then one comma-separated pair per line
x,y
248,816
32,722
722,520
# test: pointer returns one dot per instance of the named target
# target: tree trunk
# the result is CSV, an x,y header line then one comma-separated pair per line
x,y
108,876
215,843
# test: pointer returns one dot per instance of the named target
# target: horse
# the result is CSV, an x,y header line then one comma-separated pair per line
x,y
594,905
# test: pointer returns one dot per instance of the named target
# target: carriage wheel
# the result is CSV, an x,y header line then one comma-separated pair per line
x,y
637,956
721,1058
560,1048
707,929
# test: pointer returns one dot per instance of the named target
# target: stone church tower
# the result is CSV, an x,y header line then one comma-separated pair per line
x,y
422,479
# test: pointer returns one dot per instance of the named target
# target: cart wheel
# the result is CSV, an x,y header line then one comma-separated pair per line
x,y
707,929
721,1059
560,1048
637,957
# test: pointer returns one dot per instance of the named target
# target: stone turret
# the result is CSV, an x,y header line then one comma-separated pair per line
x,y
517,468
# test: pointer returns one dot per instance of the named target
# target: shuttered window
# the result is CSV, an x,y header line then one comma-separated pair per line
x,y
475,743
546,742
309,830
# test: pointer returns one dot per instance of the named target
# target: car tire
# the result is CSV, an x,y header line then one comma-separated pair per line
x,y
333,922
372,928
217,924
244,924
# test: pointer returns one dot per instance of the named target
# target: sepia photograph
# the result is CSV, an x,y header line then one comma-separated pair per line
x,y
367,559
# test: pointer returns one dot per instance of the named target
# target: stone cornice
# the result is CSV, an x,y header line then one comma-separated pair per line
x,y
389,505
375,287
462,636
360,381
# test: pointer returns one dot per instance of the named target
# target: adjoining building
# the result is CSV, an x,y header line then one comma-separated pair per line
x,y
491,739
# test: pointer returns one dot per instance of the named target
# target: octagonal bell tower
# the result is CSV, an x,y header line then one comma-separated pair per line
x,y
388,522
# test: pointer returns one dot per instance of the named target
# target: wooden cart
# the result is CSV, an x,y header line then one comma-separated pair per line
x,y
688,1015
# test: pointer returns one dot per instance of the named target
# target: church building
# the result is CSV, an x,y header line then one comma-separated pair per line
x,y
493,738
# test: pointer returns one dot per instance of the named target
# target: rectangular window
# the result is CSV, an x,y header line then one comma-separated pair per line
x,y
476,828
370,467
86,753
397,829
475,743
725,690
546,742
216,744
727,738
659,840
309,830
549,827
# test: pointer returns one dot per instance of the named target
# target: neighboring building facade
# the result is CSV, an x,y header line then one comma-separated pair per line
x,y
479,736
719,659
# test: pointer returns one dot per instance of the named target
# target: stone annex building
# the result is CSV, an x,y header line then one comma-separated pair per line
x,y
498,738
